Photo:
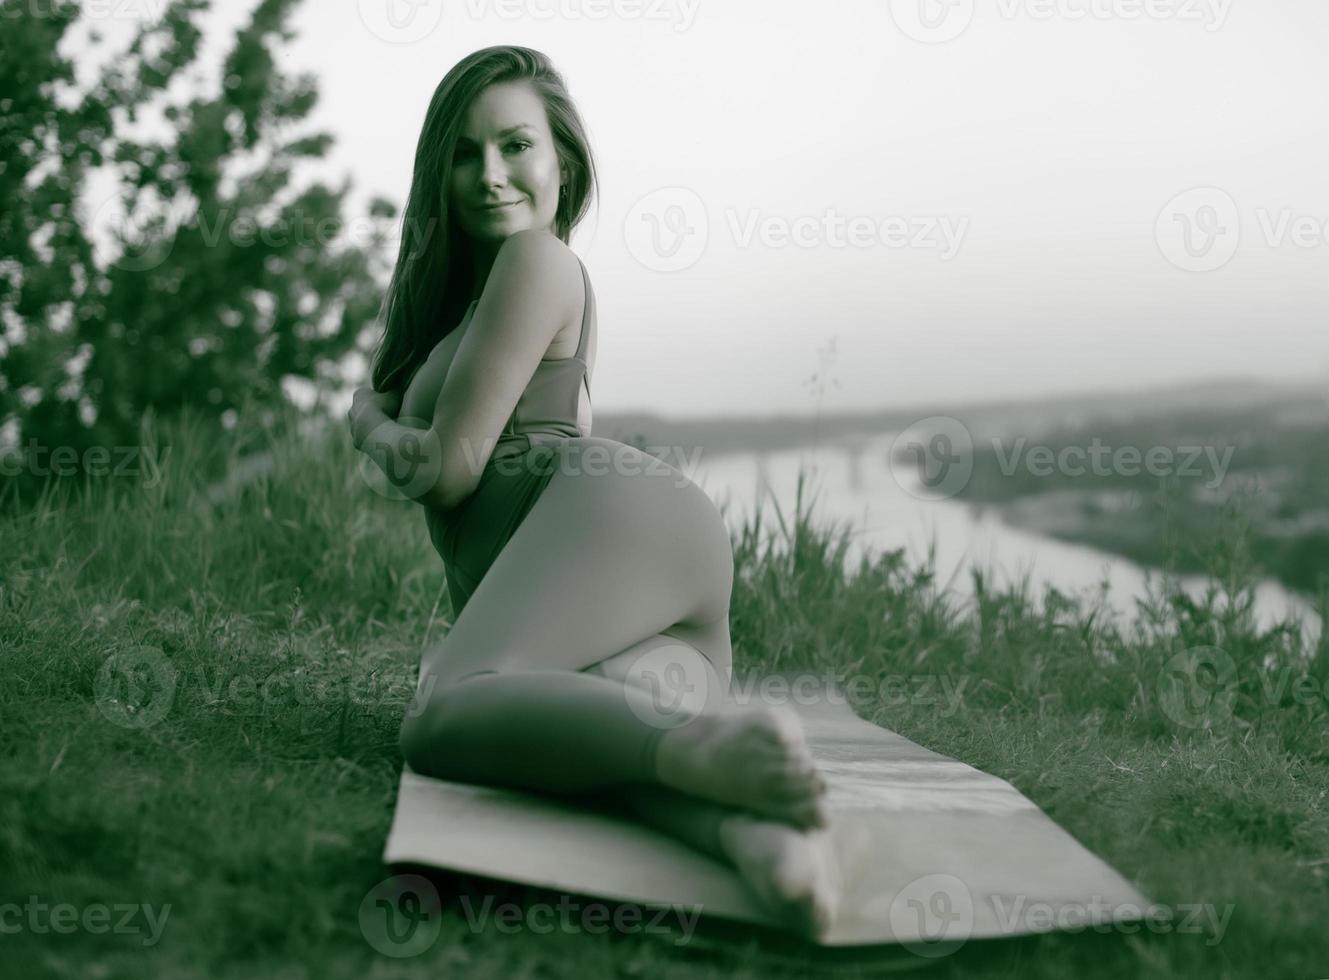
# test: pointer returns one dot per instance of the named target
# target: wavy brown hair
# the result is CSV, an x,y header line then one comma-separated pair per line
x,y
434,273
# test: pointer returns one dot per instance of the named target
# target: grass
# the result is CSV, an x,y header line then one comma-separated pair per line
x,y
293,614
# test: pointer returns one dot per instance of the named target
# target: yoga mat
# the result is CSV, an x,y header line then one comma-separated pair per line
x,y
949,853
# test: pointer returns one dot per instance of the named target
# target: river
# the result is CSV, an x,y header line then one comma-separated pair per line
x,y
856,485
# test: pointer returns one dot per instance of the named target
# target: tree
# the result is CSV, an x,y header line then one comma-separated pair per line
x,y
218,277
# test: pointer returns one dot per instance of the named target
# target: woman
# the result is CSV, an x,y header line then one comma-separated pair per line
x,y
581,590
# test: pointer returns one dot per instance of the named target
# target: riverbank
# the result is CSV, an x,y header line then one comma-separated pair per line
x,y
1149,485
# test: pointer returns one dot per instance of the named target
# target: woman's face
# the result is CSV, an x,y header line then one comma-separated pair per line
x,y
505,156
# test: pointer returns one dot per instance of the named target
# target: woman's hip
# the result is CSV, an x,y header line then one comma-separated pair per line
x,y
610,496
626,501
605,472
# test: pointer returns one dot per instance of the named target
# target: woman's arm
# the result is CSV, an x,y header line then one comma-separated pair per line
x,y
532,291
406,450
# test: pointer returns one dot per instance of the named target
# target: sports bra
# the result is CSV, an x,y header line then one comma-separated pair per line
x,y
548,409
546,412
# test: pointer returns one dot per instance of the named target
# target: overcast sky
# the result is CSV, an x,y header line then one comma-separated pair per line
x,y
966,198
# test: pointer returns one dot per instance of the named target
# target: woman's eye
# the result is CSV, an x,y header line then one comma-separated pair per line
x,y
466,152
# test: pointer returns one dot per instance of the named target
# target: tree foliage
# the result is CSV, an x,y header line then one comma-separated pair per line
x,y
205,276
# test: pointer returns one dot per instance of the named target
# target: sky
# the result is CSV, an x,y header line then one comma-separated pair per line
x,y
917,201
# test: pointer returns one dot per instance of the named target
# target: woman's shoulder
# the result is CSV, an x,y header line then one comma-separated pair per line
x,y
544,258
547,275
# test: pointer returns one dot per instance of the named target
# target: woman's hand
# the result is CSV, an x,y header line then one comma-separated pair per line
x,y
368,409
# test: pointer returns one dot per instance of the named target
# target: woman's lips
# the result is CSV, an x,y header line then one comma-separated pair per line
x,y
490,208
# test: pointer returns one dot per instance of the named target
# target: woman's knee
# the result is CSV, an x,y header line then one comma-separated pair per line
x,y
410,739
417,737
424,737
677,671
714,559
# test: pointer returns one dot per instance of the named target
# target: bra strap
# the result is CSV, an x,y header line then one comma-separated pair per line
x,y
588,312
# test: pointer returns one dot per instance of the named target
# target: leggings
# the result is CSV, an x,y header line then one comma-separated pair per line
x,y
592,607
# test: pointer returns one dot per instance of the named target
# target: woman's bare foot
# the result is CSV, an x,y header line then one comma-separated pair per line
x,y
795,874
752,758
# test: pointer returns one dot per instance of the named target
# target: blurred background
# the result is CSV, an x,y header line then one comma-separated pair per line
x,y
1037,287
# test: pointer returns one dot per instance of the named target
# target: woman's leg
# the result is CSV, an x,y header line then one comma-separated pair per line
x,y
614,553
697,822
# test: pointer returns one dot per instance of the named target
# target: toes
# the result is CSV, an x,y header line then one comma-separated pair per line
x,y
807,903
804,811
804,815
814,780
803,781
786,726
795,813
807,786
819,816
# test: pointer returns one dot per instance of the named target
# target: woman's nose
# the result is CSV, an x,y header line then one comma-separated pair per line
x,y
494,172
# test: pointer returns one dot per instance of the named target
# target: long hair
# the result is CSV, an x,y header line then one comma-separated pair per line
x,y
434,273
